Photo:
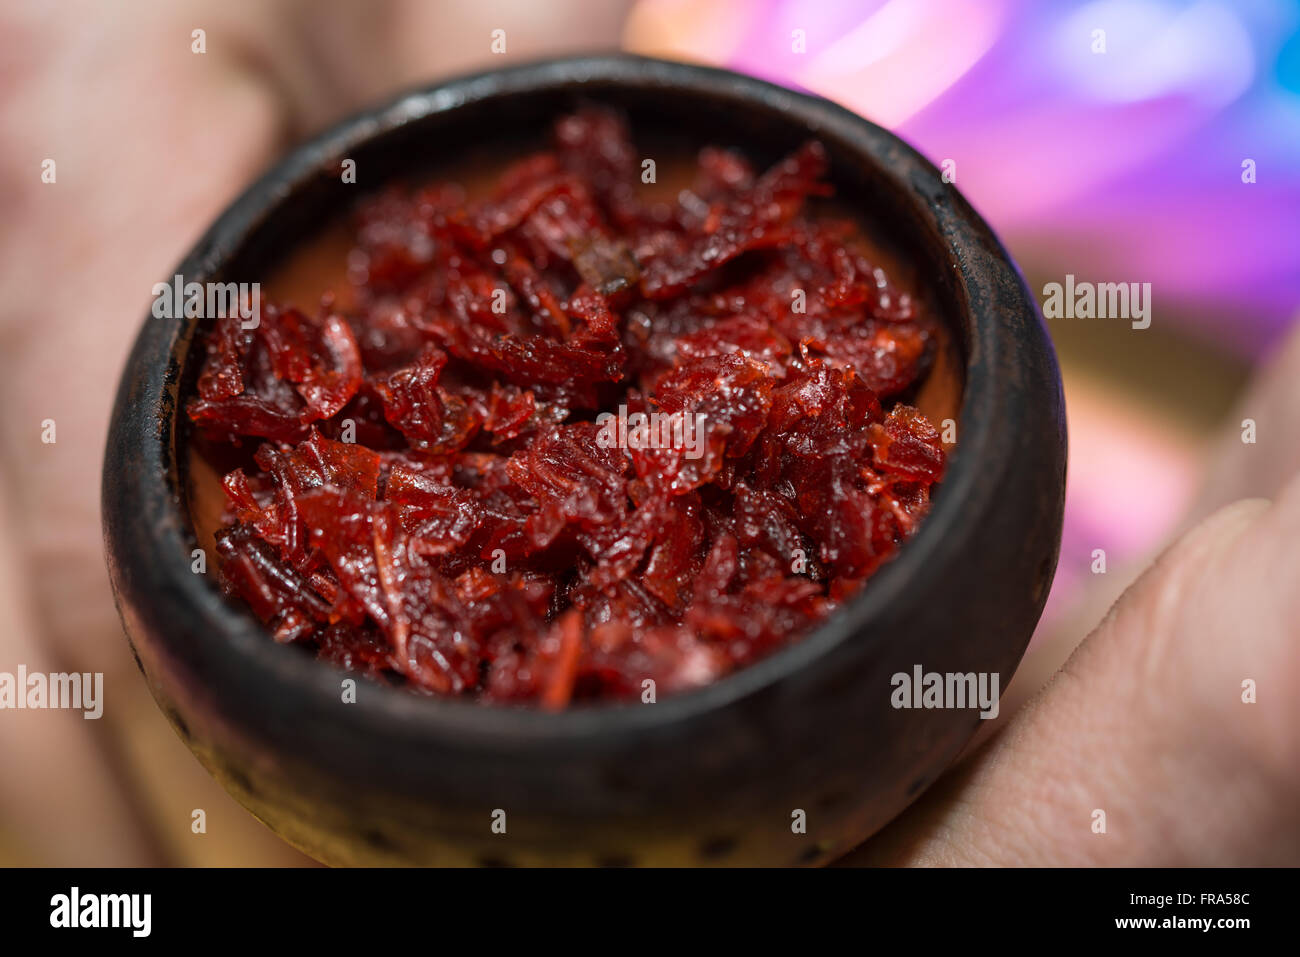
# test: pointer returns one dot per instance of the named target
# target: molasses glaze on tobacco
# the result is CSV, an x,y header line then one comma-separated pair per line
x,y
433,500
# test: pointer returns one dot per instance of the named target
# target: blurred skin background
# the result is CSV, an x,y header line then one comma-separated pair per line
x,y
1117,166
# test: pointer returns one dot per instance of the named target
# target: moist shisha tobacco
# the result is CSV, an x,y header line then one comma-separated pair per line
x,y
454,485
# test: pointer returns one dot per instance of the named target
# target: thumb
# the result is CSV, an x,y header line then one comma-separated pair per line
x,y
1148,746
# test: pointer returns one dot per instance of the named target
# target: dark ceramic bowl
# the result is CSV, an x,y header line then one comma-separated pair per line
x,y
714,776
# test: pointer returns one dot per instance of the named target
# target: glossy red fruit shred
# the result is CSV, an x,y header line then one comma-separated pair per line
x,y
428,502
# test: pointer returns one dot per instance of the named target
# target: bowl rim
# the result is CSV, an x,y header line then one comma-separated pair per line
x,y
148,429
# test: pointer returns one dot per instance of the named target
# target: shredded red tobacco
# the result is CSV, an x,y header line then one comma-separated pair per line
x,y
436,501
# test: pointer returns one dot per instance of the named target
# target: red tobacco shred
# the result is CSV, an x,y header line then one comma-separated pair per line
x,y
572,439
